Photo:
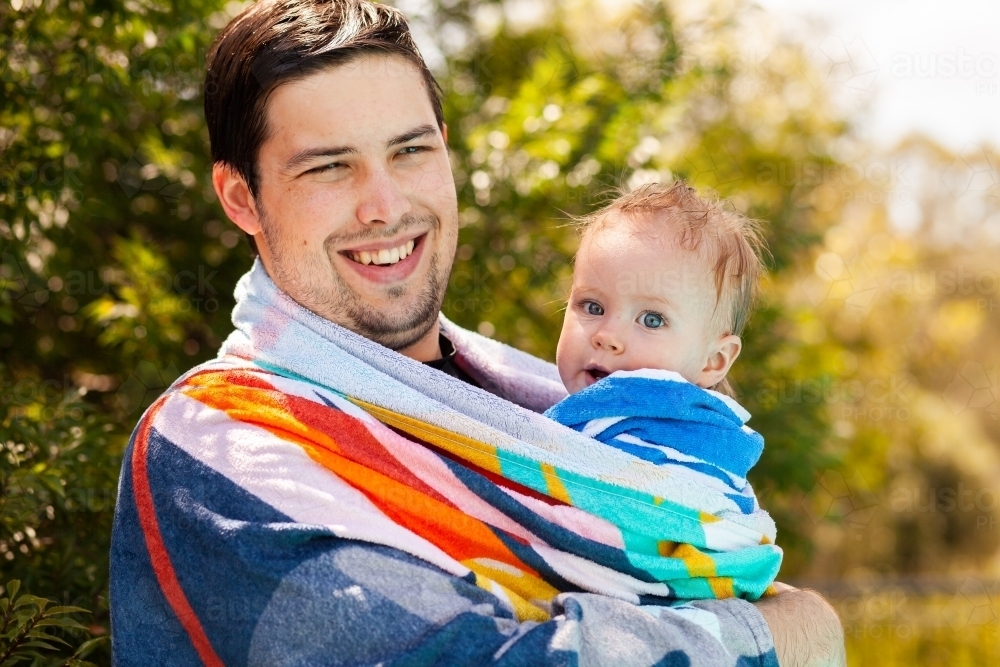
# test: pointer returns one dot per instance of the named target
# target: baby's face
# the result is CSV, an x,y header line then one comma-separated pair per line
x,y
638,301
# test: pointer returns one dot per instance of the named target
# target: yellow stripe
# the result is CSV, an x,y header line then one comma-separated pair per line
x,y
524,610
697,563
722,587
475,452
554,484
666,548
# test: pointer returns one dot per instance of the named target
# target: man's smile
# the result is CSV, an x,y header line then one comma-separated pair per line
x,y
387,261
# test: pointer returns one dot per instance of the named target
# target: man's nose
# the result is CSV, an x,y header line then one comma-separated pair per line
x,y
607,339
382,200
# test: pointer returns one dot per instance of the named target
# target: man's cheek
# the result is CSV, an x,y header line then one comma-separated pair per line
x,y
435,180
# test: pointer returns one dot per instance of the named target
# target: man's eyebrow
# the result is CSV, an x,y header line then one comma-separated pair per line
x,y
310,154
415,133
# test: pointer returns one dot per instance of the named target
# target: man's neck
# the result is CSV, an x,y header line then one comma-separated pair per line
x,y
428,348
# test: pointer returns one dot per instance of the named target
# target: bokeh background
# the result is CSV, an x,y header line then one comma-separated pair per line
x,y
867,146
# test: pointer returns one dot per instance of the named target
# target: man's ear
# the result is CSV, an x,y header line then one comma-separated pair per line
x,y
444,132
721,357
235,197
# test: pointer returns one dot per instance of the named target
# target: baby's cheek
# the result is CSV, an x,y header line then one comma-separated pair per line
x,y
567,352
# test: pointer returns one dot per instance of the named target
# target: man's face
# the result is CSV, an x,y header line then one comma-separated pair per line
x,y
357,202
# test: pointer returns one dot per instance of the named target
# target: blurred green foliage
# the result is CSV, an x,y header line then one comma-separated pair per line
x,y
118,265
28,627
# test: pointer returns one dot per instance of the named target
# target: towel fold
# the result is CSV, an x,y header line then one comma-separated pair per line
x,y
660,417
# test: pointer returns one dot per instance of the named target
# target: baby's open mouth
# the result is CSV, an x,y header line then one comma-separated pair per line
x,y
384,256
596,373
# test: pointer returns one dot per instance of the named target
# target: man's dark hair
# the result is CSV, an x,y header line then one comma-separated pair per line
x,y
278,41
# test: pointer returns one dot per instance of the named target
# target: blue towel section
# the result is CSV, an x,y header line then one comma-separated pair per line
x,y
656,415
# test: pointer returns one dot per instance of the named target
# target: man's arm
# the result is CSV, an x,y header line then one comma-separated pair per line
x,y
806,629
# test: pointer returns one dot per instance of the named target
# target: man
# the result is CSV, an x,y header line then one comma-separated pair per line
x,y
265,515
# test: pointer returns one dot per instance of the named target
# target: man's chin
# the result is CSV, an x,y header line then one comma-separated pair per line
x,y
395,336
395,323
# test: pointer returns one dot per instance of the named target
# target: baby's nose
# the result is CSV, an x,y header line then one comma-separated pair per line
x,y
607,340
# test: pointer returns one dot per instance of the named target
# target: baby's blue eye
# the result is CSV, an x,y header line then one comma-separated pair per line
x,y
652,320
593,308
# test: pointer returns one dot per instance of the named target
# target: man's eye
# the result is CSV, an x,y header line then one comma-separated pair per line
x,y
412,150
652,320
593,308
326,168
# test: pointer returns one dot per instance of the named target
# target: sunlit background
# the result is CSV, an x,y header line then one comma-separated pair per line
x,y
865,134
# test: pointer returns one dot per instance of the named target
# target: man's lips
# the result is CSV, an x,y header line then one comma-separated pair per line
x,y
386,261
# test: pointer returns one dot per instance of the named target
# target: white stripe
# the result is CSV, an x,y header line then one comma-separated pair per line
x,y
738,483
595,427
590,576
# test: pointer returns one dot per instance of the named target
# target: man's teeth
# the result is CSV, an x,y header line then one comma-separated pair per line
x,y
380,257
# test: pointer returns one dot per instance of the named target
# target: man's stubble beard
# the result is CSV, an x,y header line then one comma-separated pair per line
x,y
341,305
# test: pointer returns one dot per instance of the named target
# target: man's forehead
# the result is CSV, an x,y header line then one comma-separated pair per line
x,y
368,97
363,67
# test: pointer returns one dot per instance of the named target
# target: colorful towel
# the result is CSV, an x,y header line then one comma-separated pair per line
x,y
660,417
310,485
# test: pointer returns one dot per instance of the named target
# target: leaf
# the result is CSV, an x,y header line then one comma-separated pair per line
x,y
87,647
57,622
25,600
40,644
12,587
42,634
66,610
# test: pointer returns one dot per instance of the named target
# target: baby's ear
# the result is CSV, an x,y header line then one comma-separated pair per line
x,y
722,354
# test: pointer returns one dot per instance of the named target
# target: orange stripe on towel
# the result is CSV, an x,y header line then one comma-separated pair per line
x,y
170,586
344,446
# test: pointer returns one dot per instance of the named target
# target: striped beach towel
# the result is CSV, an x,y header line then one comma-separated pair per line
x,y
302,472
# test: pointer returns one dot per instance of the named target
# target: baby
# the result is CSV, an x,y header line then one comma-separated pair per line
x,y
663,285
